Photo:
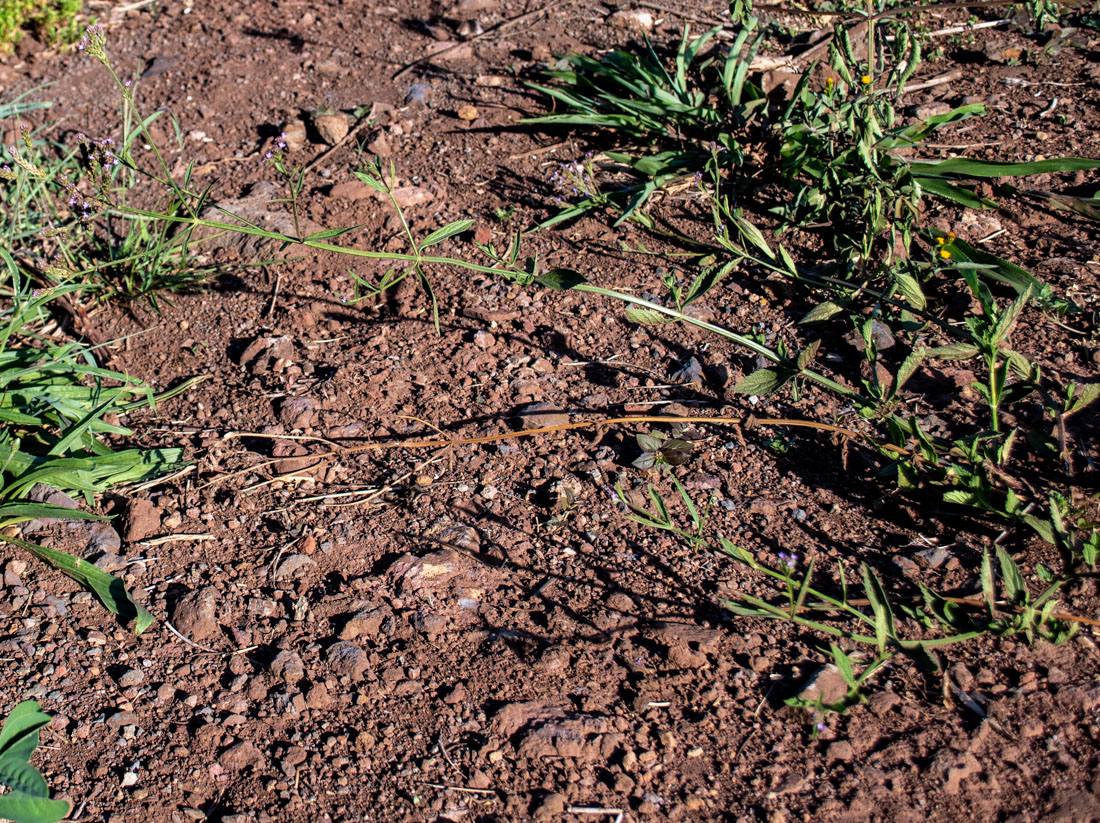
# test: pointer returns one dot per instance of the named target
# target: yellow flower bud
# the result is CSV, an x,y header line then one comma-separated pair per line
x,y
865,79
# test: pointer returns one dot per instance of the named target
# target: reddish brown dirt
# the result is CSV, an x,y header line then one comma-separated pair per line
x,y
418,635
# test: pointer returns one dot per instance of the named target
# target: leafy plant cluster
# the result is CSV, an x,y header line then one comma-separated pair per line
x,y
53,21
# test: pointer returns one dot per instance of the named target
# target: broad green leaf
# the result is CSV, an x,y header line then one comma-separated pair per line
x,y
561,279
910,290
806,356
110,590
24,721
23,808
762,382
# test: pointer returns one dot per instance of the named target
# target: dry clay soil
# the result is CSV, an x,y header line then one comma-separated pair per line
x,y
479,633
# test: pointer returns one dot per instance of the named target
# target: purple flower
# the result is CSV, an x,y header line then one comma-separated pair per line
x,y
820,726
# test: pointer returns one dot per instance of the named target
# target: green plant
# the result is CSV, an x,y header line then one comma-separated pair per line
x,y
28,800
677,121
54,21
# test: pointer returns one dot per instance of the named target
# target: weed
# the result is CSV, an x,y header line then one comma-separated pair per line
x,y
53,21
28,800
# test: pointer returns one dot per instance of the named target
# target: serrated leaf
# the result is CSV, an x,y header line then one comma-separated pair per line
x,y
911,290
371,181
1015,588
1084,394
955,351
807,355
961,497
822,311
762,382
647,317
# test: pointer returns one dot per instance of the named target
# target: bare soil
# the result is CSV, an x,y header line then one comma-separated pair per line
x,y
408,634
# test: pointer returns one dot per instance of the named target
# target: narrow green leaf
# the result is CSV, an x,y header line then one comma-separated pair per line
x,y
880,605
989,590
328,234
647,317
441,234
110,590
955,351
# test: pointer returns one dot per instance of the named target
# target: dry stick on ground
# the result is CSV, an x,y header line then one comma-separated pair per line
x,y
499,27
746,422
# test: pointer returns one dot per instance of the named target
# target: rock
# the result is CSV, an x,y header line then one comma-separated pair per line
x,y
542,415
298,412
252,207
408,196
351,190
839,752
366,623
484,340
380,145
933,109
826,683
288,666
241,756
318,697
553,805
294,133
141,520
636,19
468,113
294,567
454,535
128,678
456,695
194,616
933,557
332,128
347,659
123,718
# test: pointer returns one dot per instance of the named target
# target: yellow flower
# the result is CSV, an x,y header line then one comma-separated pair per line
x,y
829,83
945,254
865,79
940,241
951,237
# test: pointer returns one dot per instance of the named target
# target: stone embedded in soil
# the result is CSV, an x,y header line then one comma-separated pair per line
x,y
351,190
253,208
288,666
294,132
298,412
366,623
347,659
454,535
540,415
551,806
295,567
332,128
128,678
826,683
408,196
241,756
194,616
141,520
637,19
